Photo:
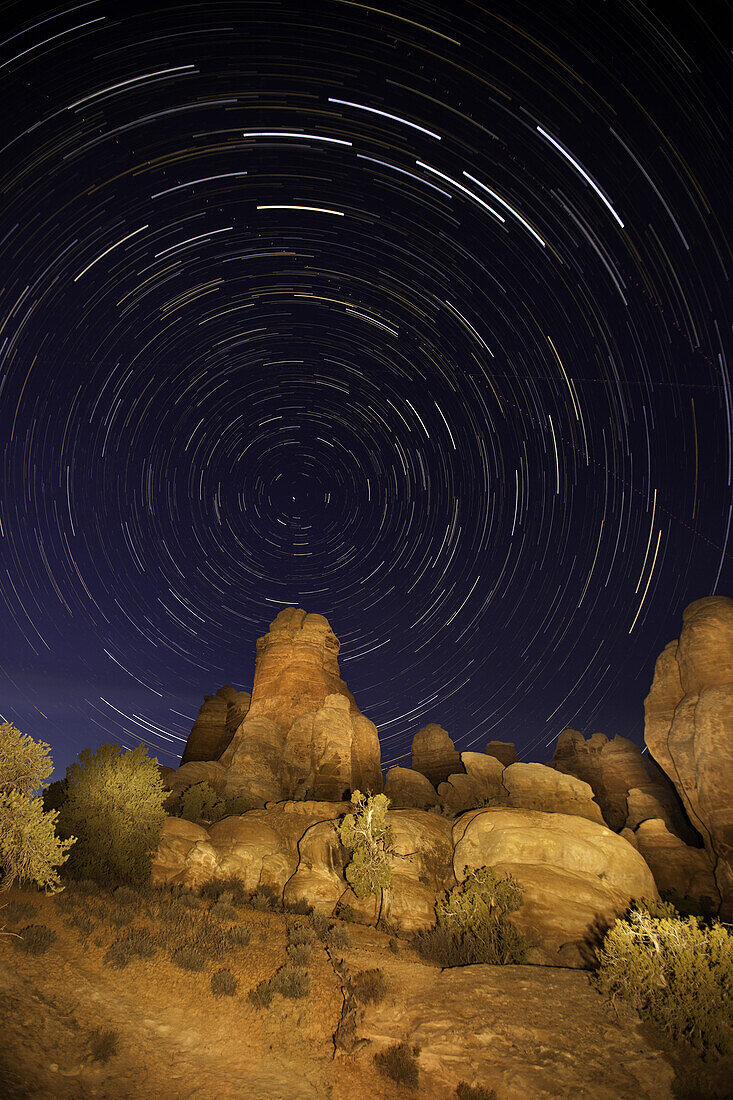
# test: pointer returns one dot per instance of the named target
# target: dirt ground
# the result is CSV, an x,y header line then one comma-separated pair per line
x,y
176,1040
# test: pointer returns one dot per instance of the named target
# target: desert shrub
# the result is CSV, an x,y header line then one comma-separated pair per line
x,y
300,954
337,939
464,1091
82,924
291,982
263,899
30,849
320,924
103,1044
399,1062
676,972
300,908
188,958
394,947
224,910
302,933
124,895
369,838
35,939
199,801
115,808
136,944
368,986
223,983
239,936
261,996
346,913
190,900
120,916
473,925
232,887
14,911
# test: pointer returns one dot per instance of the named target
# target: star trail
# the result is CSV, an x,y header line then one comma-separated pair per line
x,y
417,317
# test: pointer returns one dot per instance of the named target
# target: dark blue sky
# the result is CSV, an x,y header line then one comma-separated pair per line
x,y
414,319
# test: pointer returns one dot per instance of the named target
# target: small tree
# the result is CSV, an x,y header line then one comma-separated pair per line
x,y
369,837
114,805
29,846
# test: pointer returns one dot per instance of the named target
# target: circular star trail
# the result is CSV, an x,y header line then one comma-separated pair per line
x,y
416,319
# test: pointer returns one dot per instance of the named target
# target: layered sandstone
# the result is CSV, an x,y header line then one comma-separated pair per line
x,y
300,735
434,754
689,728
215,725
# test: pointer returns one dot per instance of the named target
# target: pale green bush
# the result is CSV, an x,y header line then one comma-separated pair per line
x,y
473,925
674,971
369,837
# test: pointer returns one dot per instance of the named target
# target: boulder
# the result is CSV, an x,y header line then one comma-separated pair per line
x,y
689,729
408,789
537,787
434,754
479,783
422,867
577,876
503,751
682,873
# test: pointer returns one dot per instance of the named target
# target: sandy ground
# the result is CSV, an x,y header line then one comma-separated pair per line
x,y
177,1040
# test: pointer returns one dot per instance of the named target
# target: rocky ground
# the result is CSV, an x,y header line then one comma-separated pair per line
x,y
522,1031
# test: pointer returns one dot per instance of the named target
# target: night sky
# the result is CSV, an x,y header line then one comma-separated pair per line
x,y
416,316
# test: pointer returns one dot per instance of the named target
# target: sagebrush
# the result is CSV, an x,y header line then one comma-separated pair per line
x,y
473,923
675,971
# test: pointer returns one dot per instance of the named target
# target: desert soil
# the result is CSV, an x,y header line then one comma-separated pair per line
x,y
527,1032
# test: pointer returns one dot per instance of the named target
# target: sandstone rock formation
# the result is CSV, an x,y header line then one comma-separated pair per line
x,y
479,783
526,1032
215,725
681,872
503,751
689,728
577,875
301,734
408,789
536,787
614,768
434,754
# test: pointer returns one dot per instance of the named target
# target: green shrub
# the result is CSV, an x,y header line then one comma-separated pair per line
x,y
369,838
103,1044
464,1091
473,925
399,1062
189,958
35,939
676,972
30,849
114,807
198,802
136,944
261,996
368,986
291,982
223,983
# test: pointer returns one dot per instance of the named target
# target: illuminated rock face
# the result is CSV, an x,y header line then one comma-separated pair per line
x,y
689,729
216,724
303,734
